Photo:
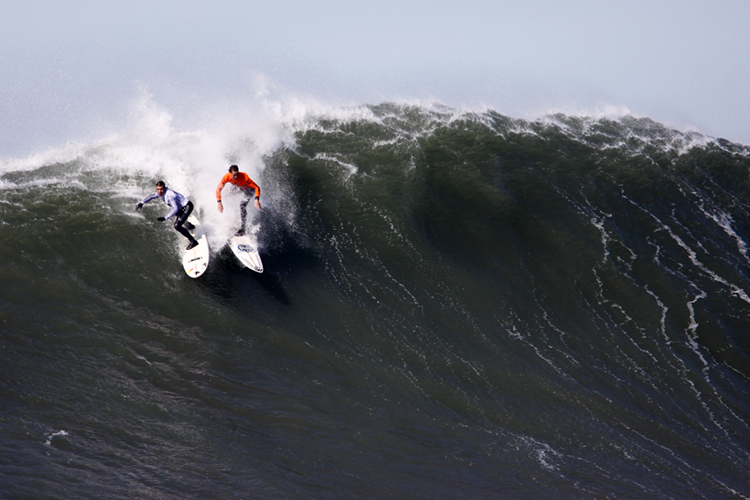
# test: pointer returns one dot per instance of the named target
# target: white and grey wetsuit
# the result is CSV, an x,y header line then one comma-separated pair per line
x,y
172,198
180,205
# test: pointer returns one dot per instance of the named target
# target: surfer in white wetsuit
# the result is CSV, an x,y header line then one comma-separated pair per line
x,y
181,210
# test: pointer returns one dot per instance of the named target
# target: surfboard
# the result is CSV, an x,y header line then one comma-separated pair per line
x,y
195,260
245,248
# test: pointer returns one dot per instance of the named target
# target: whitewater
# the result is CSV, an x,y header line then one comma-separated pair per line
x,y
456,303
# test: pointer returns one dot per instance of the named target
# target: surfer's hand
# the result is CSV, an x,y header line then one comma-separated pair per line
x,y
161,219
138,206
257,203
221,207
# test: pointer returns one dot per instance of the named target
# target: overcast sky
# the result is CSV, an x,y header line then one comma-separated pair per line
x,y
66,66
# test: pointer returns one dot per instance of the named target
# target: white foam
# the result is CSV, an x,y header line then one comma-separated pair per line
x,y
190,152
54,435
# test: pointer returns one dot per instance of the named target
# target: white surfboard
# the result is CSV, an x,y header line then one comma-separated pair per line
x,y
245,248
195,260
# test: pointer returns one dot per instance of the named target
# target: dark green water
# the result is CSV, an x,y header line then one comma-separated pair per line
x,y
454,306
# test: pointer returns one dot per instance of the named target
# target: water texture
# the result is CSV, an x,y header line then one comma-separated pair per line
x,y
454,305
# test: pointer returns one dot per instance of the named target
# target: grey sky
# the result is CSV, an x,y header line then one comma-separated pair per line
x,y
67,66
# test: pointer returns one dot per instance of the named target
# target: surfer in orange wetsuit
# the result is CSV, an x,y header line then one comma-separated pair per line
x,y
246,185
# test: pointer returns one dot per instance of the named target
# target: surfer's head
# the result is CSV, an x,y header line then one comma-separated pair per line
x,y
161,188
234,170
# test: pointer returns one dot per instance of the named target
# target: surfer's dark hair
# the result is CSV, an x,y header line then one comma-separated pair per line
x,y
234,168
160,184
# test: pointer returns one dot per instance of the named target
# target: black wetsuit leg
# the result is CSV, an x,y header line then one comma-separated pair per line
x,y
181,218
249,195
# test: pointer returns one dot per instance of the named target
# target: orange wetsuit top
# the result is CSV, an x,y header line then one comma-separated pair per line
x,y
243,181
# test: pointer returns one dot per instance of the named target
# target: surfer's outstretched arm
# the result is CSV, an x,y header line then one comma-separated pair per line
x,y
146,200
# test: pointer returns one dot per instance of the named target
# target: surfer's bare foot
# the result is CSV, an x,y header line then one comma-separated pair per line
x,y
192,244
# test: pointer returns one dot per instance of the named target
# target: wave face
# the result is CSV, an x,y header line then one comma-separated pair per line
x,y
455,305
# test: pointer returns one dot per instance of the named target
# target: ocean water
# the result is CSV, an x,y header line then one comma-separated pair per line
x,y
455,304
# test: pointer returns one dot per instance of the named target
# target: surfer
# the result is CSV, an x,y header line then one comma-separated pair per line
x,y
181,208
248,188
